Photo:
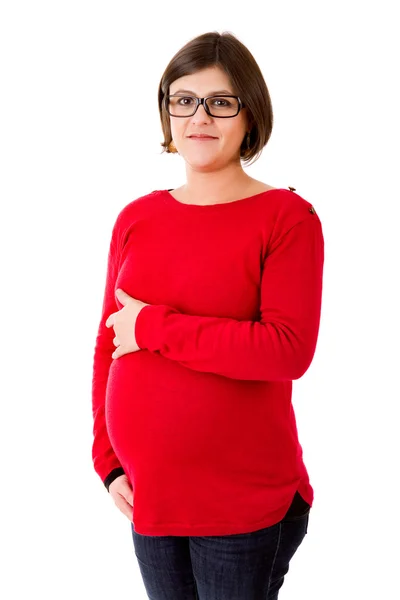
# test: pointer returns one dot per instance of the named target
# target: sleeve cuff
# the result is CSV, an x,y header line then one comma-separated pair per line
x,y
149,326
113,475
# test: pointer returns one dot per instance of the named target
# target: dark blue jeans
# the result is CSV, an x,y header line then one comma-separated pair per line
x,y
244,566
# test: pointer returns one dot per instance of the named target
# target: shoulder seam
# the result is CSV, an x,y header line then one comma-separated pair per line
x,y
272,247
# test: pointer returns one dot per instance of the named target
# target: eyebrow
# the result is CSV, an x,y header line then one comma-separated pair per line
x,y
209,94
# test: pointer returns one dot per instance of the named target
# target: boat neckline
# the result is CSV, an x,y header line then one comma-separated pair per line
x,y
167,194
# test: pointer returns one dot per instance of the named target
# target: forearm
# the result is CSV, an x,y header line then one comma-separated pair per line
x,y
237,349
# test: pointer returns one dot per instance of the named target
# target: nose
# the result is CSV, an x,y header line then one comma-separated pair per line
x,y
201,115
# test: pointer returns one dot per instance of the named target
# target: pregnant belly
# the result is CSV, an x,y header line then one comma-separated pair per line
x,y
159,412
155,411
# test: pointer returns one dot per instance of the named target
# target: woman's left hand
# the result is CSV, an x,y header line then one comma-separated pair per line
x,y
124,322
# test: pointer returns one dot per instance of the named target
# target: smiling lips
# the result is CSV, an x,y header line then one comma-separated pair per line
x,y
201,137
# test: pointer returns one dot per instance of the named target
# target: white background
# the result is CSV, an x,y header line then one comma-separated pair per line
x,y
80,139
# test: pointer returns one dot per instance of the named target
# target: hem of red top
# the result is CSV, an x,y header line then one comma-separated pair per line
x,y
204,530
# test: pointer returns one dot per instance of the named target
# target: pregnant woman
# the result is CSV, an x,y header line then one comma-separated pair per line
x,y
211,309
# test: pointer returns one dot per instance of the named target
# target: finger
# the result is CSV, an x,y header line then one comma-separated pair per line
x,y
122,296
116,341
125,508
110,320
127,494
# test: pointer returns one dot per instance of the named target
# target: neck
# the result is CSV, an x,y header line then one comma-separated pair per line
x,y
215,186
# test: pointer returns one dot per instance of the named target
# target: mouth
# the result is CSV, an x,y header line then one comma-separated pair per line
x,y
201,137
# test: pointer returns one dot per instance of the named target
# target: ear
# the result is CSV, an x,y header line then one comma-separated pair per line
x,y
250,124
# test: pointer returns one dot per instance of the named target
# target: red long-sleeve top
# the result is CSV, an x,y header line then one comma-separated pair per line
x,y
201,418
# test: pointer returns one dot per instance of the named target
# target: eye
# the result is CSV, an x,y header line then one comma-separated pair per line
x,y
222,102
185,100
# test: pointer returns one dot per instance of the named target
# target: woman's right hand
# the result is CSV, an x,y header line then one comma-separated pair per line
x,y
122,494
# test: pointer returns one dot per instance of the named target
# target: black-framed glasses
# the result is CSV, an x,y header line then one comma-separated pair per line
x,y
222,106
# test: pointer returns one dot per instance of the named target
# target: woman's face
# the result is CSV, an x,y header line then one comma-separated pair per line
x,y
229,133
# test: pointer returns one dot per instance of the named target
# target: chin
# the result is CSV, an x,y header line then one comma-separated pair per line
x,y
198,158
201,165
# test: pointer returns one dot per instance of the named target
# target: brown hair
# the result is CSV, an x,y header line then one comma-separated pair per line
x,y
227,52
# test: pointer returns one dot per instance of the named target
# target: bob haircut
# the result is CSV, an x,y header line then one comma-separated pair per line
x,y
227,52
